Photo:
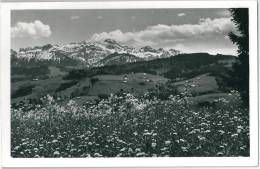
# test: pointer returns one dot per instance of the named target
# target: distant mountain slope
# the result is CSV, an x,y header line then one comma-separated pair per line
x,y
117,59
89,53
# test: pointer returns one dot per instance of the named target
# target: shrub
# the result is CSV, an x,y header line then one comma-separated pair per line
x,y
24,90
141,83
93,81
103,96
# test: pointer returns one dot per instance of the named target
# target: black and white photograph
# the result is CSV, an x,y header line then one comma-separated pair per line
x,y
130,83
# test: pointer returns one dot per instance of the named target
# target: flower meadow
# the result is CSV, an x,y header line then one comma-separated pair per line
x,y
129,126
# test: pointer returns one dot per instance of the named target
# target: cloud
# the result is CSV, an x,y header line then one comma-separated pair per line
x,y
207,35
34,30
169,35
181,14
204,28
74,17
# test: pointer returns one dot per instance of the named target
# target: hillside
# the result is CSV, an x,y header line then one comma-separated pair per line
x,y
33,82
177,67
118,59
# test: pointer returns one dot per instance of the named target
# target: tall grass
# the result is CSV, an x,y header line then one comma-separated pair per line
x,y
129,126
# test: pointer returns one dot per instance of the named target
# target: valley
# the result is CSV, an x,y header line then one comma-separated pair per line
x,y
119,73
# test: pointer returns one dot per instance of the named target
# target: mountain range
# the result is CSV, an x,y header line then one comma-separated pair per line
x,y
91,54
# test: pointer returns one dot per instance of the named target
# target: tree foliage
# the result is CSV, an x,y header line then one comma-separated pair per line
x,y
240,74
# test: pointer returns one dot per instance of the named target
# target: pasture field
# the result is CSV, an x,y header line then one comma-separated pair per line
x,y
105,84
54,72
200,84
40,88
134,83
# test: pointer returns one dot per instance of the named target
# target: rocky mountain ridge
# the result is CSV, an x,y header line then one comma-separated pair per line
x,y
93,53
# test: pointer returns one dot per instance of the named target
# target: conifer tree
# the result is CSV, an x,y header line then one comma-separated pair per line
x,y
240,74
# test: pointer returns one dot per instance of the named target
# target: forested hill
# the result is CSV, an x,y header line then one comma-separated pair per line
x,y
179,66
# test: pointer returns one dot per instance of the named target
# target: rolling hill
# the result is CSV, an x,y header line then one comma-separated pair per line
x,y
200,70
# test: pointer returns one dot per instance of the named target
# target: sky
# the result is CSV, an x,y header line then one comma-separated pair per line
x,y
187,30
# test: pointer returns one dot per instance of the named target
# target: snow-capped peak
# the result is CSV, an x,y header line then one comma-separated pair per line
x,y
92,52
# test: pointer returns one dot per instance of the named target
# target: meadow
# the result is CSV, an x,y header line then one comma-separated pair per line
x,y
124,125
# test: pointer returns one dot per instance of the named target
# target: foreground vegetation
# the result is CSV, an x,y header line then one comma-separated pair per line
x,y
125,125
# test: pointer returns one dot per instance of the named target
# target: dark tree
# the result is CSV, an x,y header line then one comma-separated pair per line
x,y
240,75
